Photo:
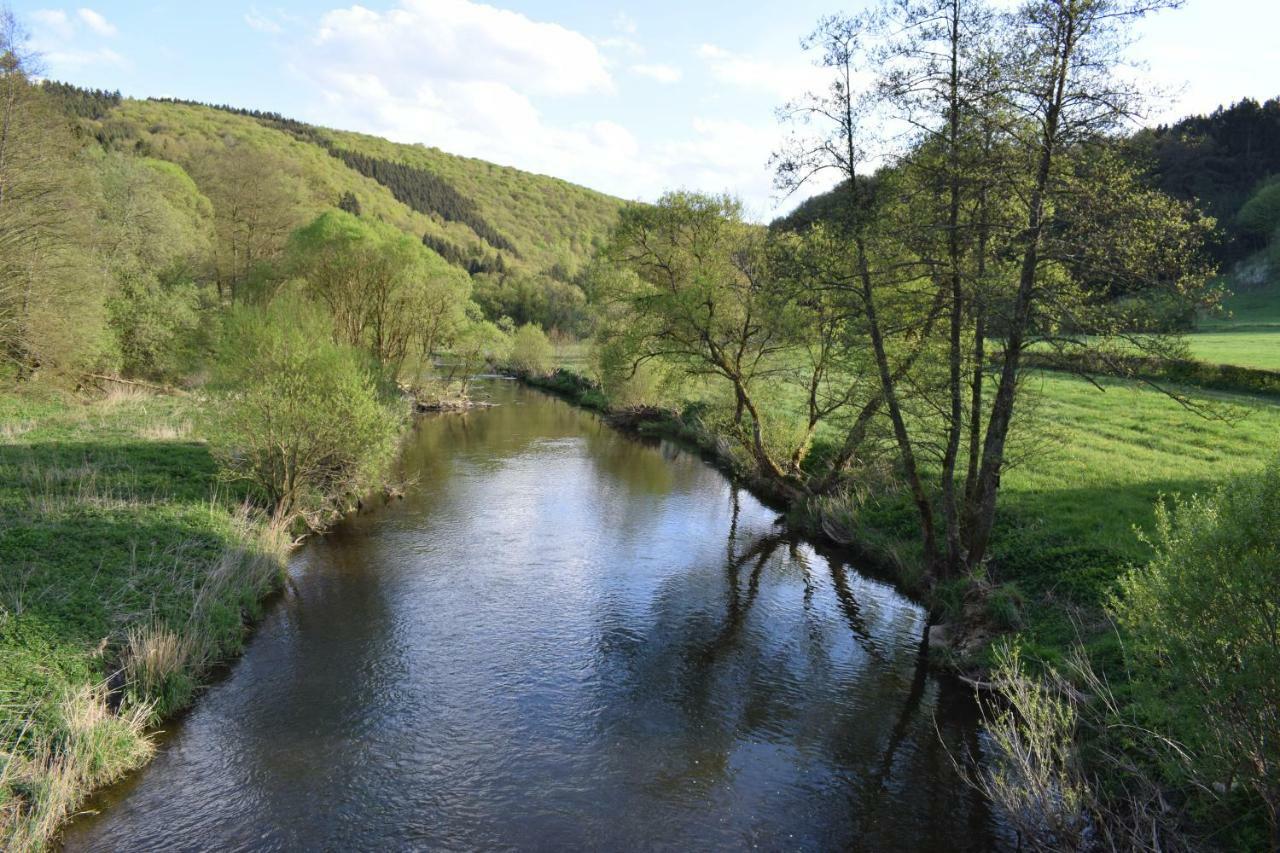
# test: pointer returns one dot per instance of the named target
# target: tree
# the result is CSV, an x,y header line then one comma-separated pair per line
x,y
1004,217
531,352
385,291
301,419
349,203
698,297
155,231
477,344
256,197
52,292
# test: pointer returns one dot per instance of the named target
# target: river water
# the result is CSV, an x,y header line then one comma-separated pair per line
x,y
563,639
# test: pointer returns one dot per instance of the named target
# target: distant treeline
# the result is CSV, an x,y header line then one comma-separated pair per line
x,y
83,103
298,129
1220,159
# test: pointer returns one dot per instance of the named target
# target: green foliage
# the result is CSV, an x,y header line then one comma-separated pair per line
x,y
425,192
384,290
531,353
1259,218
1203,622
302,420
158,231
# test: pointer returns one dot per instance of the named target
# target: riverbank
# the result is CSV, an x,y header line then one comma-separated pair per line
x,y
131,570
1072,509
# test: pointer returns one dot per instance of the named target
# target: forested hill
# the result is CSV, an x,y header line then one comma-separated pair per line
x,y
523,237
1227,162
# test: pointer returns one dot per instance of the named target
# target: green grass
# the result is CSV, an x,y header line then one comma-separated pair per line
x,y
127,572
1245,349
1246,333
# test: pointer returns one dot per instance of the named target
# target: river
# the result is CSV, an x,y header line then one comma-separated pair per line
x,y
563,639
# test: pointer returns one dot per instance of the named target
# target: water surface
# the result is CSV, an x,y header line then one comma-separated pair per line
x,y
562,639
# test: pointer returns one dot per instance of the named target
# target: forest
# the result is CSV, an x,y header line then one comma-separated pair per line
x,y
1023,356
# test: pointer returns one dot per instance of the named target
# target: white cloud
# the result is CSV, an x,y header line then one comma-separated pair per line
x,y
261,22
54,22
97,23
72,40
471,79
482,82
661,73
782,80
459,40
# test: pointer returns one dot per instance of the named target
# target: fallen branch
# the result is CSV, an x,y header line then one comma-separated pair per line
x,y
164,389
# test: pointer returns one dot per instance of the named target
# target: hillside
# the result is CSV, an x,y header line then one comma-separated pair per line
x,y
480,216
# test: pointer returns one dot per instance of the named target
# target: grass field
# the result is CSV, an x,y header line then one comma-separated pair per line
x,y
127,572
1247,333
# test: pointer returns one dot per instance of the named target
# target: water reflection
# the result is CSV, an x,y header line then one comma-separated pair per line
x,y
563,639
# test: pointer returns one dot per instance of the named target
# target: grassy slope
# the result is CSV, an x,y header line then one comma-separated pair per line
x,y
111,523
547,219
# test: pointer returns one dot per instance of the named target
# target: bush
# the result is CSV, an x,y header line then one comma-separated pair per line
x,y
302,421
1203,619
160,327
531,352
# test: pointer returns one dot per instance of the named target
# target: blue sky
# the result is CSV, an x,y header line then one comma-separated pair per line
x,y
629,98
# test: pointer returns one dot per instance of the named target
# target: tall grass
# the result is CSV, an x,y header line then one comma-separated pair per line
x,y
129,572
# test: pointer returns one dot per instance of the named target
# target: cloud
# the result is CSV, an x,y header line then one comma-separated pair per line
x,y
483,82
97,23
471,79
661,73
65,40
260,22
783,80
54,22
459,40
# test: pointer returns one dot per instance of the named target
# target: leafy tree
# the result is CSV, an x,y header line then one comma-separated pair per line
x,y
531,351
301,419
1203,618
52,292
256,195
477,344
1260,216
1005,219
385,291
157,234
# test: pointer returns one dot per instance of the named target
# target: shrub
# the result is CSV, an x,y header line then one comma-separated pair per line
x,y
531,352
302,421
1203,619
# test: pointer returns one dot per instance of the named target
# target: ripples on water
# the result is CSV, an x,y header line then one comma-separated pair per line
x,y
563,639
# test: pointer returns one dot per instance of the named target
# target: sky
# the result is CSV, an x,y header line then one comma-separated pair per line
x,y
627,98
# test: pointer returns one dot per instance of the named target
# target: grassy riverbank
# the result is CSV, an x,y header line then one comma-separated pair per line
x,y
129,571
1087,480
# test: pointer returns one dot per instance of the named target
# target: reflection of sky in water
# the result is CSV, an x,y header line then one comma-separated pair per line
x,y
563,639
